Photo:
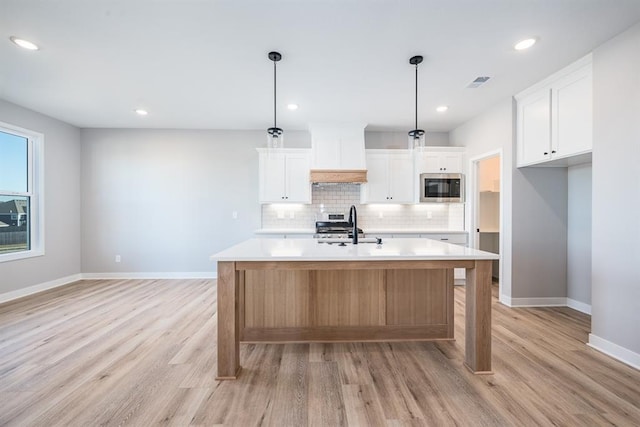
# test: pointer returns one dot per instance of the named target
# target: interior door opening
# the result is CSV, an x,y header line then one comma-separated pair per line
x,y
487,236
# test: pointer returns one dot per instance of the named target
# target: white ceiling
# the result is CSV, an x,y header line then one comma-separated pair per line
x,y
203,64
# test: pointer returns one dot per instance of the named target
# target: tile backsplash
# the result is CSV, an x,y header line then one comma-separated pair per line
x,y
337,198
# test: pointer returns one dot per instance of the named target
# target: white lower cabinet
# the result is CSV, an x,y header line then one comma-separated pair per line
x,y
453,238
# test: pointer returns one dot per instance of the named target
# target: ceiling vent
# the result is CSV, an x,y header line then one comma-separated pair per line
x,y
479,81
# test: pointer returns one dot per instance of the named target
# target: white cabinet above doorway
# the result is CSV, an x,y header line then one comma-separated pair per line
x,y
555,118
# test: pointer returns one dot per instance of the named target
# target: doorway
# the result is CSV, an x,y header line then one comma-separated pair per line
x,y
487,207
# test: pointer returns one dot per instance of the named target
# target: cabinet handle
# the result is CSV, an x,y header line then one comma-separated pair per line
x,y
444,239
553,152
546,153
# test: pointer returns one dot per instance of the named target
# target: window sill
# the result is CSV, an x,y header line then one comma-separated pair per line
x,y
14,256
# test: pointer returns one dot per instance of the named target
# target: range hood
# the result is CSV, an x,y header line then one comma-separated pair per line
x,y
337,153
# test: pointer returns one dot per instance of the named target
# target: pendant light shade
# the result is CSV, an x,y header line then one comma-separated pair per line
x,y
416,136
275,137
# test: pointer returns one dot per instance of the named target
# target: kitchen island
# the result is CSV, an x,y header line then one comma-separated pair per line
x,y
299,290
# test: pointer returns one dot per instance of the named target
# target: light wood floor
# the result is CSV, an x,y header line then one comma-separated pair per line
x,y
143,352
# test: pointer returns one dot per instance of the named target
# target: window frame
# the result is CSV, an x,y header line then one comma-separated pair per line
x,y
35,192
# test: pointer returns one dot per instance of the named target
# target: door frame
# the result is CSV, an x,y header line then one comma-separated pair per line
x,y
474,203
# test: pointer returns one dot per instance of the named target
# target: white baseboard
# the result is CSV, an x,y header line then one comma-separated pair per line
x,y
546,302
19,293
152,275
579,306
538,302
505,300
614,350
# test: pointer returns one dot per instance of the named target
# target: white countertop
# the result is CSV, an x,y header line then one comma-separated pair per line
x,y
367,231
285,231
370,231
310,250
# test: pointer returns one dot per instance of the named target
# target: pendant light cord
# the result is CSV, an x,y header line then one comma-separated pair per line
x,y
416,97
274,94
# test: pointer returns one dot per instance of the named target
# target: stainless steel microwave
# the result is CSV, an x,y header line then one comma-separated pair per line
x,y
441,188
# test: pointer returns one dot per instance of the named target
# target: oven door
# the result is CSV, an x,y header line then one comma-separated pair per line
x,y
441,188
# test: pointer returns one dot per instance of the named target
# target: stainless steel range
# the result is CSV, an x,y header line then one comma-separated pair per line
x,y
335,229
335,226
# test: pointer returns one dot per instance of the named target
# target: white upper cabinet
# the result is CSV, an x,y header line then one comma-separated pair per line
x,y
284,176
439,160
337,146
390,177
554,118
572,109
534,127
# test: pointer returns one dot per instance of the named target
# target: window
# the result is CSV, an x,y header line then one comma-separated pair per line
x,y
21,177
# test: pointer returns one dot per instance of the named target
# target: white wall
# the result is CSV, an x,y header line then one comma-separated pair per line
x,y
534,220
490,132
394,140
62,203
579,235
163,199
615,294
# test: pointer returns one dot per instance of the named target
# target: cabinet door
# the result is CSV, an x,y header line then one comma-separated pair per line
x,y
272,178
572,114
298,186
401,178
376,189
451,162
338,146
534,128
431,163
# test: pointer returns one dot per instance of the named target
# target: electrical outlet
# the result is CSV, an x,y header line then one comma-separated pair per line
x,y
292,215
280,214
118,258
429,215
380,215
234,214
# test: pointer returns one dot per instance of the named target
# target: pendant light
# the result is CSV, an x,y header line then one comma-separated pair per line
x,y
275,137
416,136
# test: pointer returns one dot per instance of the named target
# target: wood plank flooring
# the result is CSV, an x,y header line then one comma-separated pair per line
x,y
143,352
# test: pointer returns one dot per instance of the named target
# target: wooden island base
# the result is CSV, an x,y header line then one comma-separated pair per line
x,y
337,301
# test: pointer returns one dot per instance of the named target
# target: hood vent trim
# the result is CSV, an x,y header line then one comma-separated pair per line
x,y
338,153
349,176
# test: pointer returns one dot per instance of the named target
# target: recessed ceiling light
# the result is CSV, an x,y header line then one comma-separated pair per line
x,y
141,112
442,109
25,44
524,44
292,106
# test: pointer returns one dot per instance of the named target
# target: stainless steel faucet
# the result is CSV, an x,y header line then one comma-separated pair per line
x,y
353,221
